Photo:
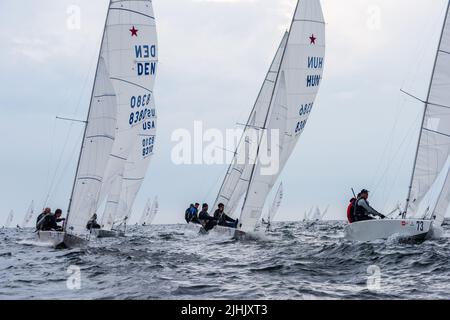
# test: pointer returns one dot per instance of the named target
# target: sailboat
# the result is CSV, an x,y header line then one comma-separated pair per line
x,y
150,212
307,215
283,106
319,215
120,108
9,219
28,216
274,208
428,197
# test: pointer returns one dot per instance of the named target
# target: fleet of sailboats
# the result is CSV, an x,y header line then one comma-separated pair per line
x,y
429,192
120,133
315,214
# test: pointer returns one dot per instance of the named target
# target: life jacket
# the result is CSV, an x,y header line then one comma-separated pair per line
x,y
351,211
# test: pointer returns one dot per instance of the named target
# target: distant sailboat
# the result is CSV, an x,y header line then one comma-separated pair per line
x,y
307,215
275,206
28,216
150,212
283,105
431,161
120,106
9,219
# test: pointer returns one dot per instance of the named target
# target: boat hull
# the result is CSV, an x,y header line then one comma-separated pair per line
x,y
59,240
219,230
410,229
100,233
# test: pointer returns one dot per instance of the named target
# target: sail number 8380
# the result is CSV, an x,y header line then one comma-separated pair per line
x,y
138,102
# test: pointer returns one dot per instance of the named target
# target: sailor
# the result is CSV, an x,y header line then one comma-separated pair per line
x,y
351,209
92,223
223,219
191,214
51,221
40,219
363,210
206,220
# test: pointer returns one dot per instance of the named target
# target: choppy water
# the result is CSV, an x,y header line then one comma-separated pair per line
x,y
295,261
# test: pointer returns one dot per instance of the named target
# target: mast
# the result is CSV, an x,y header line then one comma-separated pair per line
x,y
408,199
268,111
87,120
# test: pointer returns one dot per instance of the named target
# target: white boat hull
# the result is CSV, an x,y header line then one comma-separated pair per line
x,y
57,239
50,238
372,230
223,231
100,233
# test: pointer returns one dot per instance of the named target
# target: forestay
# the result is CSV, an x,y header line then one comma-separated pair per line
x,y
296,88
434,143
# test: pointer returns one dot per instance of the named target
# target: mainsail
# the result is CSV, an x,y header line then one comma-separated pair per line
x,y
276,203
120,202
28,216
133,56
9,219
150,212
145,212
238,175
296,87
434,141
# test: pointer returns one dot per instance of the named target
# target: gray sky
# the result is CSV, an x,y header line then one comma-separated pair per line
x,y
213,57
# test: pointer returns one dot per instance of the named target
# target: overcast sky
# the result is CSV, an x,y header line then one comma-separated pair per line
x,y
213,57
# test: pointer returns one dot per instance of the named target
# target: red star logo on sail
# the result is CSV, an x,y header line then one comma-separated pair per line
x,y
313,39
134,31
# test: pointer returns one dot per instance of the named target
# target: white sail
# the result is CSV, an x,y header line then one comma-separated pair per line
x,y
28,216
276,203
112,203
145,212
154,209
325,213
132,56
9,219
434,143
296,88
135,169
317,215
237,178
96,147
